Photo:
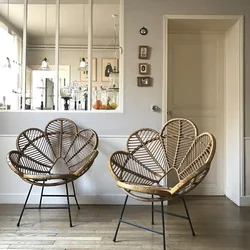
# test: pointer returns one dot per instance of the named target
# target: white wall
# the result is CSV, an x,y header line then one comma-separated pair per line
x,y
232,116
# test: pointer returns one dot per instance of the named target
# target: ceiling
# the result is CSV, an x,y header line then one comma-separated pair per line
x,y
73,24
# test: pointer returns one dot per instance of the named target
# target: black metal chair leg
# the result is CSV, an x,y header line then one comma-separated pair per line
x,y
190,223
40,203
118,226
163,226
75,195
18,223
67,192
153,221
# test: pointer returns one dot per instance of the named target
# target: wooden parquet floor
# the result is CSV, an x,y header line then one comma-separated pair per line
x,y
218,223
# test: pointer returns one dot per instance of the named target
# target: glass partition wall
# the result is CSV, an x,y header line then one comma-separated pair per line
x,y
52,48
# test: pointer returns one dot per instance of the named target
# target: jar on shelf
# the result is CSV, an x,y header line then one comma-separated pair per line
x,y
99,99
66,91
113,98
114,79
105,99
66,95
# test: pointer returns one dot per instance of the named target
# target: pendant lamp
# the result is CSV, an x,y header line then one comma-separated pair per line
x,y
45,64
83,65
7,63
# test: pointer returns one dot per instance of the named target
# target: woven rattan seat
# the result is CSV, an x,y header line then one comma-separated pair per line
x,y
161,166
58,155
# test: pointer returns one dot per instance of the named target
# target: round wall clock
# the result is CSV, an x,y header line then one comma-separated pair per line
x,y
143,31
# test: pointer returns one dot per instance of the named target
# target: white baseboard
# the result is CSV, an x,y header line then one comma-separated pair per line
x,y
245,201
233,196
205,189
82,199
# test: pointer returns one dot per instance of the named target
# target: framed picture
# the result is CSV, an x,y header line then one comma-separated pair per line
x,y
108,65
143,68
143,81
143,52
84,74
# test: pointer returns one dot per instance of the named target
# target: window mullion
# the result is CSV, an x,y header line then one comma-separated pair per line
x,y
90,45
24,60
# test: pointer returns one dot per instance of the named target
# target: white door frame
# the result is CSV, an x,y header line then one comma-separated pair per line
x,y
236,198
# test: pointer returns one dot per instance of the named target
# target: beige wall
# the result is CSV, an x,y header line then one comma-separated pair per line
x,y
137,101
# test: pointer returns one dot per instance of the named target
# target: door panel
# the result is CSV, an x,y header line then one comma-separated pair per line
x,y
195,92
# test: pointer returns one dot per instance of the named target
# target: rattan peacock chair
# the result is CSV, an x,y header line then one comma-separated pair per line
x,y
159,167
53,157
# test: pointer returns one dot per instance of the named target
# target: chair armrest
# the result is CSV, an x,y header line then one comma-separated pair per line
x,y
81,167
196,164
191,181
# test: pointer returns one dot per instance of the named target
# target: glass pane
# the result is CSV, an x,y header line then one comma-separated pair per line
x,y
70,88
40,70
11,27
73,47
105,90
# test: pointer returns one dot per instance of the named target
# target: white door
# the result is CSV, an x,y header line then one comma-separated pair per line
x,y
195,91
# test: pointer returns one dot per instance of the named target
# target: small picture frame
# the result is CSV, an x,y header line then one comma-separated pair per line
x,y
143,81
143,52
143,68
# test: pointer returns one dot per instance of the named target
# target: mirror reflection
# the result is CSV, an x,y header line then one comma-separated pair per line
x,y
11,18
40,76
66,86
106,31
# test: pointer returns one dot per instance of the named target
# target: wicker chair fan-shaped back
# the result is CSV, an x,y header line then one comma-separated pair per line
x,y
38,151
38,154
159,166
152,156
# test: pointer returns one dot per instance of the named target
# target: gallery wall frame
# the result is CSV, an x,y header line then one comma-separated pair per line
x,y
143,68
143,81
143,52
108,65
